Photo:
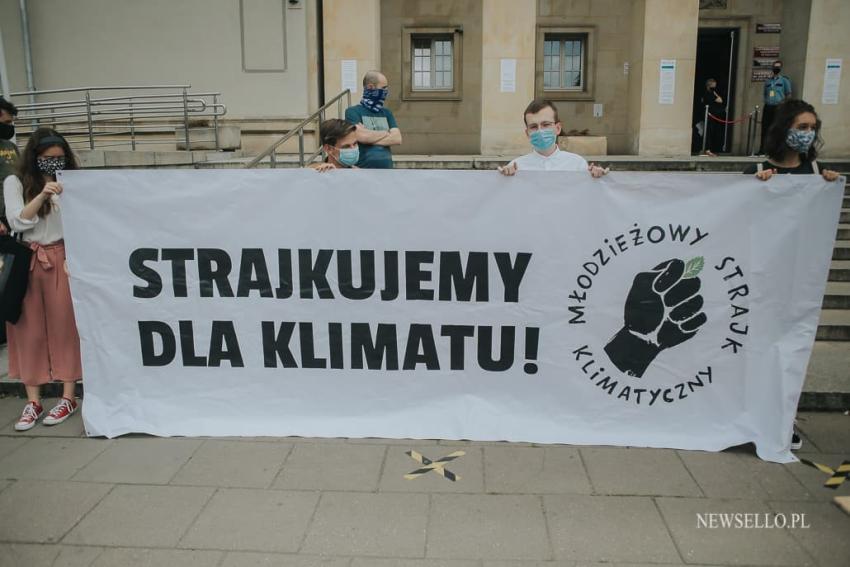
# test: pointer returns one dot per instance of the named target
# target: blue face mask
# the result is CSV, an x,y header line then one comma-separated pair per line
x,y
543,139
373,99
349,156
800,140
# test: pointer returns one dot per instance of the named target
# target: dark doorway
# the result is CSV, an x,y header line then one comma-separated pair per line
x,y
717,58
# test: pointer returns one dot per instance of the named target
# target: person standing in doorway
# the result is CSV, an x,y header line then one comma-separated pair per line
x,y
377,129
712,129
776,89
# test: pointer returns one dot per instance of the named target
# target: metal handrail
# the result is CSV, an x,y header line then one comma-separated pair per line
x,y
96,116
318,116
108,88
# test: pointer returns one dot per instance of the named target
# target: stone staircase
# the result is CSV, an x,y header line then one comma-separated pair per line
x,y
835,317
828,377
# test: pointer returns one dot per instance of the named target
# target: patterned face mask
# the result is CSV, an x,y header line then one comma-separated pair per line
x,y
50,165
800,140
373,99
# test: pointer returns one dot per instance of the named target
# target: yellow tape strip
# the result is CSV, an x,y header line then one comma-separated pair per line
x,y
435,466
837,476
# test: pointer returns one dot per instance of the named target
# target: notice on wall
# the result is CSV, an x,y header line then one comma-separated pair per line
x,y
764,61
763,51
507,76
769,28
761,74
349,74
667,86
831,81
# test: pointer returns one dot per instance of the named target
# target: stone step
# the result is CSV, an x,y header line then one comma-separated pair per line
x,y
834,325
843,232
827,386
837,295
841,250
839,271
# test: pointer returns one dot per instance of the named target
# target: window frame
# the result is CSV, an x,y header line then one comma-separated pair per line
x,y
411,33
587,35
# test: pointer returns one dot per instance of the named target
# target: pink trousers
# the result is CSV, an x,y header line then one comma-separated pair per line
x,y
44,345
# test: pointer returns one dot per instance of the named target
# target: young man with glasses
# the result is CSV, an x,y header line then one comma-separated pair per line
x,y
542,126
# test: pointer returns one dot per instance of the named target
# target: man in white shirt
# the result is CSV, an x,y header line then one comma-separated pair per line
x,y
542,126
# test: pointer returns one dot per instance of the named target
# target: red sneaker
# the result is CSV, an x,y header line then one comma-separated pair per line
x,y
61,412
32,411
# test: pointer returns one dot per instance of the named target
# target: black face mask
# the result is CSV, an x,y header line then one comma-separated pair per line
x,y
7,131
777,70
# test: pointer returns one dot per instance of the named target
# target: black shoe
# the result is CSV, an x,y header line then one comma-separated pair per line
x,y
796,442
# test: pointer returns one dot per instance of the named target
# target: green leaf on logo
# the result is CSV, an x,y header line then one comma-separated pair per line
x,y
693,267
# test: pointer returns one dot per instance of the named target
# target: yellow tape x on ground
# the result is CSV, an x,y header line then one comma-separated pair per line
x,y
436,466
837,476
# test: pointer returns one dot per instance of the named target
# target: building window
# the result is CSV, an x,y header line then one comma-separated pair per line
x,y
432,63
564,63
431,67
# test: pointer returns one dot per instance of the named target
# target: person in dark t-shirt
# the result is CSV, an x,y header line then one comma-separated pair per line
x,y
713,129
377,129
8,149
792,143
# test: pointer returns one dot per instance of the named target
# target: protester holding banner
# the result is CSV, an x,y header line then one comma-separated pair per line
x,y
542,126
377,129
792,143
43,345
792,147
339,143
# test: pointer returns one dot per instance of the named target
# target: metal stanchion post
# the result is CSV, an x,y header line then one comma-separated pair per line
x,y
89,120
132,128
215,122
186,119
756,129
704,130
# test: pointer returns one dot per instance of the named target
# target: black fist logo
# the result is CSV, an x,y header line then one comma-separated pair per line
x,y
663,310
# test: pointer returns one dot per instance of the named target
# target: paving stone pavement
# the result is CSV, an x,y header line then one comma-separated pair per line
x,y
142,501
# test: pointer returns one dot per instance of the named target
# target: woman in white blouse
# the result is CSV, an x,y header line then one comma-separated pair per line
x,y
43,345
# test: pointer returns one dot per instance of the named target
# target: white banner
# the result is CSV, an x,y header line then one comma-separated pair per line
x,y
643,309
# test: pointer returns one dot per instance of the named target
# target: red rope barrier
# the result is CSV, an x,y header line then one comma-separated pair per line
x,y
722,121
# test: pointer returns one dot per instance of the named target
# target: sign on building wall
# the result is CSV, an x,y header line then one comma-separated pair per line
x,y
769,28
771,52
831,81
349,80
643,309
507,75
667,81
